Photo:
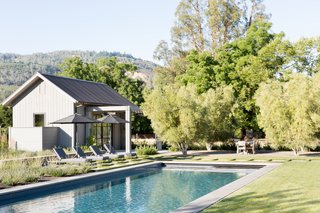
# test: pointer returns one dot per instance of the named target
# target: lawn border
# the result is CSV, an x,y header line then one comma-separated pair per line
x,y
211,198
18,193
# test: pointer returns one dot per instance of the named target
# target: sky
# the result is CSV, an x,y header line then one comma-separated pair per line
x,y
126,26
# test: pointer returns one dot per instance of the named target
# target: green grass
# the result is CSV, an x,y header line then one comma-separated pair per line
x,y
292,187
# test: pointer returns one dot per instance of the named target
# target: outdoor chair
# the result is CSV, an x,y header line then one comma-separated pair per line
x,y
80,153
63,157
245,147
110,150
96,151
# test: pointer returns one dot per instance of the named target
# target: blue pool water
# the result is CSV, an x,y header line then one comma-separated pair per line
x,y
150,190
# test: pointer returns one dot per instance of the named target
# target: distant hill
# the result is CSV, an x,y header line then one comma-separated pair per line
x,y
15,69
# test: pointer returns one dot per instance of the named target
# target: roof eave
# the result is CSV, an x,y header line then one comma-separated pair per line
x,y
8,101
133,107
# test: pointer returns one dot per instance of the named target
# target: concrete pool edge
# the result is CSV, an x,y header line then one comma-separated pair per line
x,y
18,193
215,196
10,194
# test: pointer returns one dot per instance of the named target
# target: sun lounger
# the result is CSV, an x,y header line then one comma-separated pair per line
x,y
81,154
98,152
63,157
109,149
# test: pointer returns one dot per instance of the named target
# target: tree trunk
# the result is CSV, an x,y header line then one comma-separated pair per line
x,y
183,148
295,151
184,152
208,146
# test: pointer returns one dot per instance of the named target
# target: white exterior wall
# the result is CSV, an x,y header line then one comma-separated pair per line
x,y
81,130
127,111
45,98
33,138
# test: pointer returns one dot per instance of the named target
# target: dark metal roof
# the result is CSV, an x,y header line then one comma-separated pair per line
x,y
112,119
88,92
75,119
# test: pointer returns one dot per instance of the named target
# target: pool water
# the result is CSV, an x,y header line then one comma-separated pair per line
x,y
151,190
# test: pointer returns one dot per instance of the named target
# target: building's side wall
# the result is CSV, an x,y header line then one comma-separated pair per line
x,y
27,139
45,98
50,137
81,128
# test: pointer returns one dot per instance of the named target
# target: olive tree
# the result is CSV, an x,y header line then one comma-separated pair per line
x,y
181,116
290,111
217,108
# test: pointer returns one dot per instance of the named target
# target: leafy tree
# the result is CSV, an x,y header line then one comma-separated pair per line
x,y
115,74
290,111
306,57
174,114
242,64
209,24
75,68
5,116
224,19
5,122
189,26
182,117
217,115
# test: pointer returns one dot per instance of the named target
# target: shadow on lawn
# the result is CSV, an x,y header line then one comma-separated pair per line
x,y
311,154
278,201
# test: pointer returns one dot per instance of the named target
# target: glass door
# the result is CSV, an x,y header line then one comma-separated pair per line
x,y
102,132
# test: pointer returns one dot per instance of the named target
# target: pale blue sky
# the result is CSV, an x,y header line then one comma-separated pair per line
x,y
135,27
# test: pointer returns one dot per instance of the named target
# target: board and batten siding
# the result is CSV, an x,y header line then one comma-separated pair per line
x,y
45,98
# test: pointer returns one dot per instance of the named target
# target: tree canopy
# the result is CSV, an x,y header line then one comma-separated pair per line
x,y
182,117
115,74
230,43
290,111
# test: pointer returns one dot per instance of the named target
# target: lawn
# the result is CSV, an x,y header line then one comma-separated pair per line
x,y
292,187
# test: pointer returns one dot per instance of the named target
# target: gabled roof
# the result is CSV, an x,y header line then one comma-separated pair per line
x,y
84,92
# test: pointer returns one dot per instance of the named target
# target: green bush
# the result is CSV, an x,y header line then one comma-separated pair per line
x,y
197,147
20,172
66,170
146,150
173,149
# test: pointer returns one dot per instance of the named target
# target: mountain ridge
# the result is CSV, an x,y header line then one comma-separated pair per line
x,y
15,69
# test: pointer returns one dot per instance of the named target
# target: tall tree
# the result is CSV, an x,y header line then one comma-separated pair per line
x,y
242,64
224,20
188,31
290,112
210,24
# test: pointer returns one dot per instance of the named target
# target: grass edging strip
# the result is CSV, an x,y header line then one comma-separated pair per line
x,y
207,200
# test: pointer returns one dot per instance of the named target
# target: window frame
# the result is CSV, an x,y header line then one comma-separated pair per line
x,y
34,119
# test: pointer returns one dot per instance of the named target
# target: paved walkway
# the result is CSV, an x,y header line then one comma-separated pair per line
x,y
234,154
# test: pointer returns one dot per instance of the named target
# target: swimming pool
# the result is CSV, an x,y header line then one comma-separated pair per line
x,y
146,189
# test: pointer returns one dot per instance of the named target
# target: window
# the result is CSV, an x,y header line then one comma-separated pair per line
x,y
102,132
38,120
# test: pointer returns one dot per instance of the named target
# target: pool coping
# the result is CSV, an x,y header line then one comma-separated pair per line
x,y
15,193
213,197
10,194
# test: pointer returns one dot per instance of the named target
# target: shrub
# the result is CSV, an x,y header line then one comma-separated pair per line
x,y
20,172
197,147
146,150
66,170
173,149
